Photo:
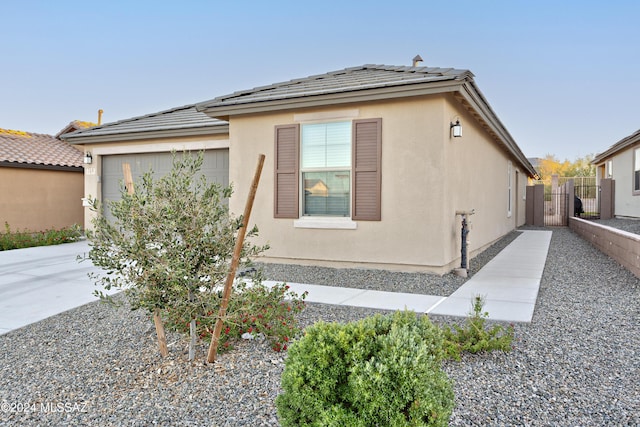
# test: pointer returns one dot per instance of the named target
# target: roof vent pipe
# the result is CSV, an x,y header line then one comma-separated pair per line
x,y
416,60
100,116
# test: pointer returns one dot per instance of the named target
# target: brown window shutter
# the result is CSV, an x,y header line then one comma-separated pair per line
x,y
286,172
367,170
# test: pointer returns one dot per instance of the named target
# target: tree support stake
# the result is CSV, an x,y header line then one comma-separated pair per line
x,y
228,286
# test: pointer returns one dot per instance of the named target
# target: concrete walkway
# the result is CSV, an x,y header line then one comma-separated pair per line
x,y
36,283
509,284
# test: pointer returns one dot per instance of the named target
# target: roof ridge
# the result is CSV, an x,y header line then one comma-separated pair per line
x,y
424,70
132,119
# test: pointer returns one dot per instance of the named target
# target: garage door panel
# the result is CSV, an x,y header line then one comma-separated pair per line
x,y
215,167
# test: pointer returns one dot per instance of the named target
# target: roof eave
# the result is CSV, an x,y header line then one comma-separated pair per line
x,y
79,139
473,97
464,87
224,111
623,144
41,166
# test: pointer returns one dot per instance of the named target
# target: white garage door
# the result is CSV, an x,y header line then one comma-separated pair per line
x,y
215,167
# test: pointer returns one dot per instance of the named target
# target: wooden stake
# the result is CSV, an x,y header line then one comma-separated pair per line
x,y
162,339
192,341
128,178
228,286
157,320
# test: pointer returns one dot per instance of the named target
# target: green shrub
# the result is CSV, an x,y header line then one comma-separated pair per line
x,y
475,336
379,371
27,239
256,310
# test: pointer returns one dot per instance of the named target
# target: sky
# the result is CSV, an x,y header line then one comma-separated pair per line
x,y
562,75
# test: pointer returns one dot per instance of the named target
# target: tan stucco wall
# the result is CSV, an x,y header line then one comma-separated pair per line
x,y
92,182
38,200
626,203
426,177
477,171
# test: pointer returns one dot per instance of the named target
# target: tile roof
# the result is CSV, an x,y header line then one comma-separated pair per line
x,y
37,149
364,84
618,146
74,126
184,119
347,80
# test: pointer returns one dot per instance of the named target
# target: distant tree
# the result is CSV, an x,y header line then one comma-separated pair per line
x,y
582,166
550,165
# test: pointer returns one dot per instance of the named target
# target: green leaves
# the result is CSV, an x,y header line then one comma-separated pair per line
x,y
475,336
380,371
171,243
26,239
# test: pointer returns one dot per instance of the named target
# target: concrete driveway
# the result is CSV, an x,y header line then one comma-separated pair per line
x,y
36,283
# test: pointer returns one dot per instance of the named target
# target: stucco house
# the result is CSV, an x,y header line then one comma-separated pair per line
x,y
621,163
364,167
146,143
41,181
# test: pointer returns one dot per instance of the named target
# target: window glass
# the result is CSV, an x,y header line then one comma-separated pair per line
x,y
326,164
636,170
326,193
326,145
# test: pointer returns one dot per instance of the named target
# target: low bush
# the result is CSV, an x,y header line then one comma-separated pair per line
x,y
257,310
475,336
26,239
379,371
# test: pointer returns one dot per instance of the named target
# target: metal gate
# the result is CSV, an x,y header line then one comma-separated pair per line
x,y
589,201
556,206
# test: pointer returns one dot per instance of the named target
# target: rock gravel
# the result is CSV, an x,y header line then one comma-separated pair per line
x,y
576,364
625,224
413,283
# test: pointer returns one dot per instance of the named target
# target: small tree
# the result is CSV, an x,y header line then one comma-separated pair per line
x,y
171,243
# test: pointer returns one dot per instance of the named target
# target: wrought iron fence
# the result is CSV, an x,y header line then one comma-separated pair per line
x,y
555,209
589,196
578,180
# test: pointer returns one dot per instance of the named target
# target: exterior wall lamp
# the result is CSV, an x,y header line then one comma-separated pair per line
x,y
456,129
87,158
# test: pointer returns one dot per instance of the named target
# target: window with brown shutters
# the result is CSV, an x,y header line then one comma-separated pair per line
x,y
367,172
286,171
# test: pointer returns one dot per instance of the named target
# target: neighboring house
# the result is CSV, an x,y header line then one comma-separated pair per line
x,y
41,181
621,162
146,143
362,166
77,125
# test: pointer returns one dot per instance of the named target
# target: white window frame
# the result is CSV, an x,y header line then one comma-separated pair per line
x,y
636,169
326,169
509,189
325,221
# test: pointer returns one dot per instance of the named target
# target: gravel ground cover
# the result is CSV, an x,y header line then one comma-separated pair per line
x,y
576,364
630,225
413,283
